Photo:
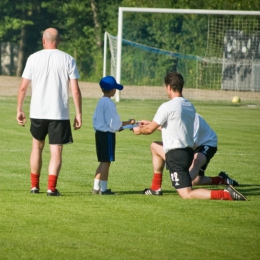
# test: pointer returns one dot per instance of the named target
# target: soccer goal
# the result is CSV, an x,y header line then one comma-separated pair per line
x,y
217,51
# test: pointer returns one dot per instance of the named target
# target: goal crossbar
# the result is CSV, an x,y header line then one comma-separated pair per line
x,y
163,10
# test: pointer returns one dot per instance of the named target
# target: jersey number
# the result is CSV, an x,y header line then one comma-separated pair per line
x,y
175,178
205,149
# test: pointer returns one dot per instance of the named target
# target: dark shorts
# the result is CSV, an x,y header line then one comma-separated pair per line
x,y
209,152
178,162
105,146
59,131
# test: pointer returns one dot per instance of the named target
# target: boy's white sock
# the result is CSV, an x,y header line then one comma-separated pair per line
x,y
103,185
96,184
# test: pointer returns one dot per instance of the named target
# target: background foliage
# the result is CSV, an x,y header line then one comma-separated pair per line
x,y
82,24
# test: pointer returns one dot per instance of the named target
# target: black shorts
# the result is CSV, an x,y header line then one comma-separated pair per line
x,y
105,146
59,131
178,162
209,152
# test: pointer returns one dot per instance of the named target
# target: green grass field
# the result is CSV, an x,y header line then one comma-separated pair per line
x,y
79,225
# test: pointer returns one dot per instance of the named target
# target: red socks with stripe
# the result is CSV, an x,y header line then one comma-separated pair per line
x,y
220,195
157,181
52,182
35,180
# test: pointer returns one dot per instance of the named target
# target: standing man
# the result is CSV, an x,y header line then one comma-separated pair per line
x,y
50,72
176,119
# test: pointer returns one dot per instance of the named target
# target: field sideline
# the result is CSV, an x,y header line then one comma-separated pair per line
x,y
79,225
9,87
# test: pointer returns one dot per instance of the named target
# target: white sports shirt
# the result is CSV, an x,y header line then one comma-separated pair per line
x,y
177,120
203,134
49,71
105,117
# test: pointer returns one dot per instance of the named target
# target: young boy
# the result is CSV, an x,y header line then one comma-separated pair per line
x,y
106,123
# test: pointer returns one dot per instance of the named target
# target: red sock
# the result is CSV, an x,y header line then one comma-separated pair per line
x,y
217,180
52,182
35,179
157,181
220,195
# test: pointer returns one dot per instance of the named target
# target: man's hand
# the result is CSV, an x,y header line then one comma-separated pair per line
x,y
21,118
77,122
136,130
145,127
142,123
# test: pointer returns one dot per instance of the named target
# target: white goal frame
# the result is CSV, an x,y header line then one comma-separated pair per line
x,y
121,10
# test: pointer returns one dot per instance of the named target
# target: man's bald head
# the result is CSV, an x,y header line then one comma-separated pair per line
x,y
51,38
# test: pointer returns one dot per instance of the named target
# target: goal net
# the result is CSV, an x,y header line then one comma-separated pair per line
x,y
217,54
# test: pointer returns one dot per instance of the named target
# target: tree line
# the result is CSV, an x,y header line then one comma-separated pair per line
x,y
82,24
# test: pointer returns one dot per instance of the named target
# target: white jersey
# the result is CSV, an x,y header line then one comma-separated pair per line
x,y
105,117
203,134
177,120
49,71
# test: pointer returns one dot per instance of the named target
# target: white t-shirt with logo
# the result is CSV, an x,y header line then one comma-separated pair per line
x,y
177,120
50,71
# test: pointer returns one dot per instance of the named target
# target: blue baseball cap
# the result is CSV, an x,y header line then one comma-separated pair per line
x,y
109,82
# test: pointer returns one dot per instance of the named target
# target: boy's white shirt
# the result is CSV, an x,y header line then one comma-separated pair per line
x,y
105,117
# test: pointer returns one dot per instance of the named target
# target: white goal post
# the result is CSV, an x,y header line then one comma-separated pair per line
x,y
158,10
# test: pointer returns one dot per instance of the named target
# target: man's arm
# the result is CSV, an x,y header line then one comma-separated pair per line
x,y
142,123
77,98
146,129
20,116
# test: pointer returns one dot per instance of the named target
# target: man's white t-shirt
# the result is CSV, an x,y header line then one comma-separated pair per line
x,y
105,117
203,133
177,120
50,71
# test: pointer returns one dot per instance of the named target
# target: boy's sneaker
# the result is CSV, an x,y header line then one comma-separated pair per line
x,y
149,191
227,179
234,193
96,191
53,193
35,190
107,192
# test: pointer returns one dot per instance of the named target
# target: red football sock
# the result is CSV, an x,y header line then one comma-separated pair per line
x,y
217,180
220,195
35,179
157,181
52,182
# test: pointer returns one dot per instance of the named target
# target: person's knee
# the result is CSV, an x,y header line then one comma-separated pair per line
x,y
185,194
154,146
196,181
197,162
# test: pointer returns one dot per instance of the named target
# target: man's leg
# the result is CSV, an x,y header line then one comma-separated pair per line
x,y
228,194
183,180
54,166
199,160
179,162
36,164
158,161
